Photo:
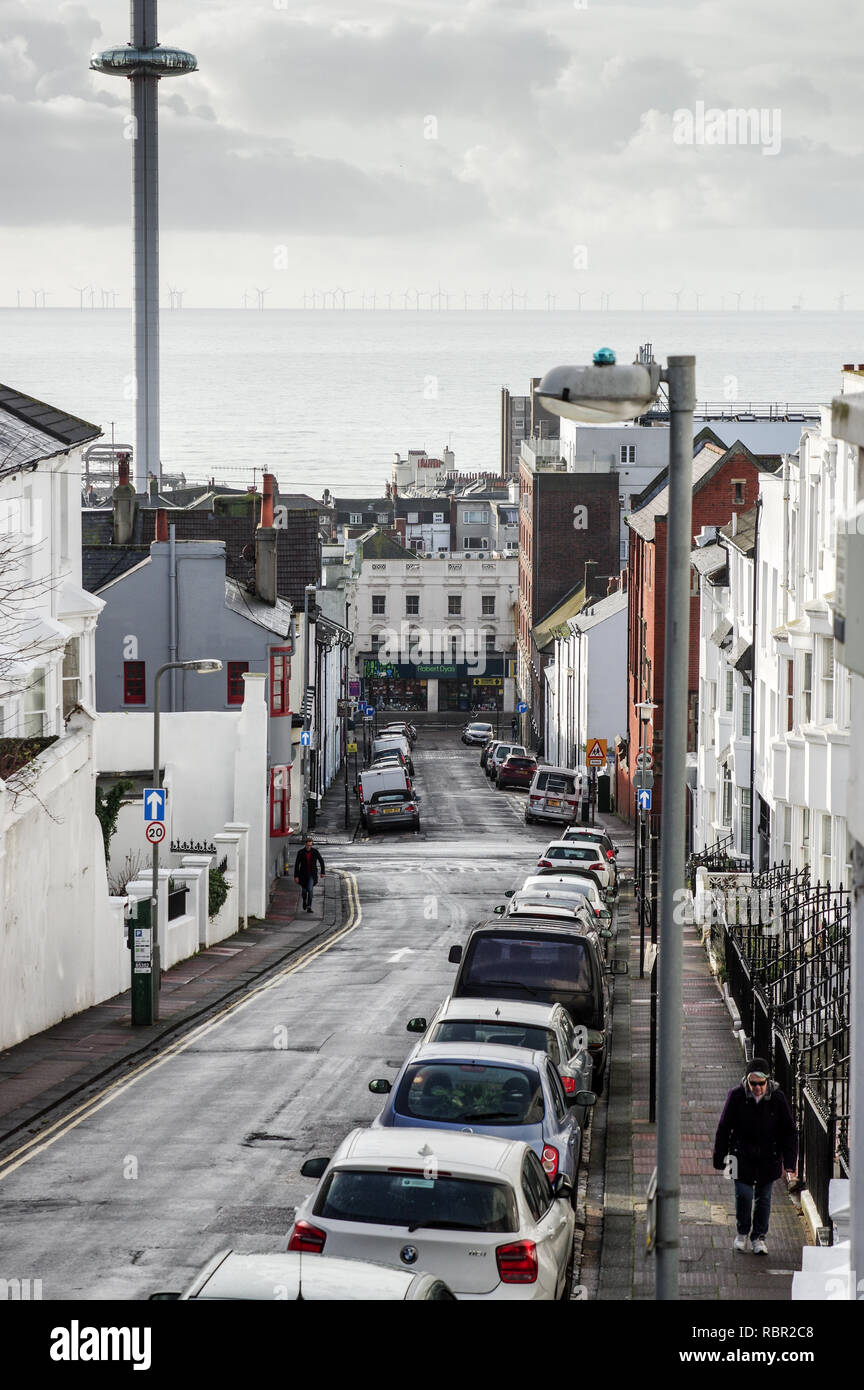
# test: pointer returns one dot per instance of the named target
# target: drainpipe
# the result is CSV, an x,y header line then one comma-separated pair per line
x,y
753,685
172,610
785,539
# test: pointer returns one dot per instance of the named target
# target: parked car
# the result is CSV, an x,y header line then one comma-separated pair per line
x,y
480,1213
512,1023
510,1092
284,1276
554,794
393,743
539,903
584,834
477,732
545,963
568,855
516,770
582,884
499,752
406,730
398,810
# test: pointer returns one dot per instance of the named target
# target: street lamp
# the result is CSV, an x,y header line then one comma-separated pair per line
x,y
605,392
146,1009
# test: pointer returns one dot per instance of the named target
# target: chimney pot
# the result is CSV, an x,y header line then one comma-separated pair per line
x,y
848,366
161,525
123,470
267,502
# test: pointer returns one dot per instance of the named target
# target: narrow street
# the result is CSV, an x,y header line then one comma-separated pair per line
x,y
202,1148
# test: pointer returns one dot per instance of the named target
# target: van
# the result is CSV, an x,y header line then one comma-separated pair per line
x,y
534,960
375,780
554,794
393,743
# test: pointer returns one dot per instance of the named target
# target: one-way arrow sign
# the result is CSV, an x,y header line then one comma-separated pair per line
x,y
154,803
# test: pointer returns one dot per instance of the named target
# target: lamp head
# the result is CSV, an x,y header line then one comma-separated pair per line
x,y
601,393
203,666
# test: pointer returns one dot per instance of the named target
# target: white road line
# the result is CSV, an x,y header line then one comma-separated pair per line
x,y
40,1142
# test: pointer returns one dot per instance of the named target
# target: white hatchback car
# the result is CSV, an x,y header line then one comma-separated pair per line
x,y
478,1212
569,883
284,1276
577,855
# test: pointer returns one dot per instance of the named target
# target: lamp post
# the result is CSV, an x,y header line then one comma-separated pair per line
x,y
149,1005
644,709
605,392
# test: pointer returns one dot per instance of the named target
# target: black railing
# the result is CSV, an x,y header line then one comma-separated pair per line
x,y
717,858
191,847
786,943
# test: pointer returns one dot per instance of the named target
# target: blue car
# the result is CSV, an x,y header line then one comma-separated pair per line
x,y
484,1088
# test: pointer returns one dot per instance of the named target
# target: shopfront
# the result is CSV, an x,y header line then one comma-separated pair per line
x,y
441,686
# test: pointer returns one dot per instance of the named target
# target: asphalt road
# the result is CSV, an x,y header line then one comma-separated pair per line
x,y
201,1148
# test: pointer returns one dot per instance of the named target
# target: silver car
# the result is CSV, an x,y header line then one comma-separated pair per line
x,y
477,732
286,1276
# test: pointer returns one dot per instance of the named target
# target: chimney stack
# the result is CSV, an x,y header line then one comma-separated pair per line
x,y
265,547
161,525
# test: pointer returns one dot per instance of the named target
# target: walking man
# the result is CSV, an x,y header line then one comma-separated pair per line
x,y
757,1137
306,867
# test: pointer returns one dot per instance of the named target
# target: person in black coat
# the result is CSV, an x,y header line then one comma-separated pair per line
x,y
757,1137
306,867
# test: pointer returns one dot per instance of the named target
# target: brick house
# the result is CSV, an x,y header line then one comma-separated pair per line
x,y
725,482
568,529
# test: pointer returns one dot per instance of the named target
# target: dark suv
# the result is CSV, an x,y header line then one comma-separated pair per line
x,y
536,961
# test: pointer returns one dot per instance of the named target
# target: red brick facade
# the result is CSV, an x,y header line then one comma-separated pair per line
x,y
731,486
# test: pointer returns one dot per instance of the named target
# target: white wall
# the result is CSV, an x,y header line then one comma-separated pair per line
x,y
63,946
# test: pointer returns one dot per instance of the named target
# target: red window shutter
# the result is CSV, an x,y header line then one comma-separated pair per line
x,y
280,675
236,684
134,683
280,800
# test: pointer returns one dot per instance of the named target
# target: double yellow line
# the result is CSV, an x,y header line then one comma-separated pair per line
x,y
40,1142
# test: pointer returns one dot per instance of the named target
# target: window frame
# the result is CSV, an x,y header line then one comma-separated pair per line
x,y
487,612
234,694
382,611
127,676
280,705
409,611
280,799
71,682
451,611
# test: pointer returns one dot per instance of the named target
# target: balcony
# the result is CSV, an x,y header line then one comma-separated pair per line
x,y
543,455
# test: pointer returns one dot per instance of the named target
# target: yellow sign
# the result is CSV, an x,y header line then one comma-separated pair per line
x,y
351,748
596,756
486,680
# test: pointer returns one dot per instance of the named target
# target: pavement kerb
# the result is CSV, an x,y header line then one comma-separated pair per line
x,y
56,1097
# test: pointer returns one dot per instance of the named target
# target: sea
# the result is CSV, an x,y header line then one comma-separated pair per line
x,y
325,399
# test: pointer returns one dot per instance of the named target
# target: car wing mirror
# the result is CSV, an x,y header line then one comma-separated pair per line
x,y
380,1087
510,893
163,1298
562,1186
454,955
313,1167
619,967
417,1025
586,1098
499,911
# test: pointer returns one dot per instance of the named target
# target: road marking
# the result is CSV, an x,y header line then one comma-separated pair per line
x,y
398,955
40,1142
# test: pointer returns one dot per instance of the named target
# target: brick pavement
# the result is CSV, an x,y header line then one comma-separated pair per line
x,y
64,1062
614,1264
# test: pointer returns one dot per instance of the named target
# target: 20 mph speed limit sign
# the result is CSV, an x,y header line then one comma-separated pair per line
x,y
155,832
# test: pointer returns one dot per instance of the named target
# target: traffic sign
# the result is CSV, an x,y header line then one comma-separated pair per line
x,y
643,796
522,707
644,758
306,738
643,777
596,756
154,803
155,832
350,747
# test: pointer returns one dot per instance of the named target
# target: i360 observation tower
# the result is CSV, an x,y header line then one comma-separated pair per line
x,y
144,61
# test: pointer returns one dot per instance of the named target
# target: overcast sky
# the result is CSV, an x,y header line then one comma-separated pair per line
x,y
304,143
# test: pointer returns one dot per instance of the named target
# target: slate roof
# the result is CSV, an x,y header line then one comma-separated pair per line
x,y
744,538
708,559
30,431
378,546
706,463
555,621
599,611
276,618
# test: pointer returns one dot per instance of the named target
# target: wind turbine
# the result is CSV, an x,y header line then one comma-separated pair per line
x,y
484,297
389,297
841,301
246,298
80,291
17,299
737,295
580,295
676,295
261,294
643,295
374,298
698,295
465,298
605,300
92,297
550,301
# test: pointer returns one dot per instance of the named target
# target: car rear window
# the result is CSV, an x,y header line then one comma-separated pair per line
x,y
566,786
520,762
390,798
570,852
466,1092
542,882
526,965
533,1036
412,1198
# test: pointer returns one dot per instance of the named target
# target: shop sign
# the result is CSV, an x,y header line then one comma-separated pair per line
x,y
486,680
436,670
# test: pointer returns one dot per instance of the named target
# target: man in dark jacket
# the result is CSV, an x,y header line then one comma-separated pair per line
x,y
757,1137
306,867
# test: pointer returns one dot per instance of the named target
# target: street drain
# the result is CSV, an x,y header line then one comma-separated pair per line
x,y
258,1138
